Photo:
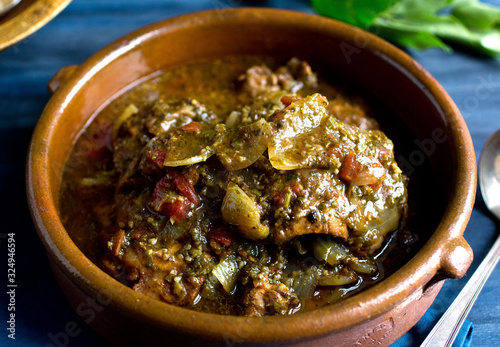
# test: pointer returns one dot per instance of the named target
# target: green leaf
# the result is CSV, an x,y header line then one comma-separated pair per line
x,y
421,23
477,15
415,39
444,26
485,41
408,8
425,31
356,12
420,31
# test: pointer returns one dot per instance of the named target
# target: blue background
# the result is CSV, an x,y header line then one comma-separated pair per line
x,y
82,29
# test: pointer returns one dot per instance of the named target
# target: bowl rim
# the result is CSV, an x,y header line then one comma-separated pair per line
x,y
345,314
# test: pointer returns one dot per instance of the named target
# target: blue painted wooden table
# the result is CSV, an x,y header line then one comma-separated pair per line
x,y
84,27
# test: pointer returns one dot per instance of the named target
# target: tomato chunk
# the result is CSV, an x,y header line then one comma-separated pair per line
x,y
192,127
287,100
176,210
371,172
221,236
157,157
185,187
173,196
350,168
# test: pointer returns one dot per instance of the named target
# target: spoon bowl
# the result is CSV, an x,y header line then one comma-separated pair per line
x,y
7,5
489,174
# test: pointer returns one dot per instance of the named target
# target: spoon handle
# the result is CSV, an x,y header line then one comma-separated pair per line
x,y
448,326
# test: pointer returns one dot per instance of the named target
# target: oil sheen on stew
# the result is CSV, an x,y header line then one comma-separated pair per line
x,y
242,186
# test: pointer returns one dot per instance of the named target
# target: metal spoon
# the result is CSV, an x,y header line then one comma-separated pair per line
x,y
6,6
447,328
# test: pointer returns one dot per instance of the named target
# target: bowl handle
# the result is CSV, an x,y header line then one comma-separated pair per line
x,y
61,77
457,257
455,261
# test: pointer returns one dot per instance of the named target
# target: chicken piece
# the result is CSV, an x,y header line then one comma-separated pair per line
x,y
326,223
266,299
352,113
151,271
165,116
260,80
317,204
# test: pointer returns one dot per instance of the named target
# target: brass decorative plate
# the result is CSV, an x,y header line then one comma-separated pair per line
x,y
26,18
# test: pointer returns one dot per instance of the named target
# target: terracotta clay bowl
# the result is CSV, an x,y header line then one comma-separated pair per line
x,y
377,316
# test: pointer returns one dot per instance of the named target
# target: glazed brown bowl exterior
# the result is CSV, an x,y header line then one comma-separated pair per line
x,y
376,316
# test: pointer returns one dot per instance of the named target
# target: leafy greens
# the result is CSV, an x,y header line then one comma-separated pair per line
x,y
422,23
